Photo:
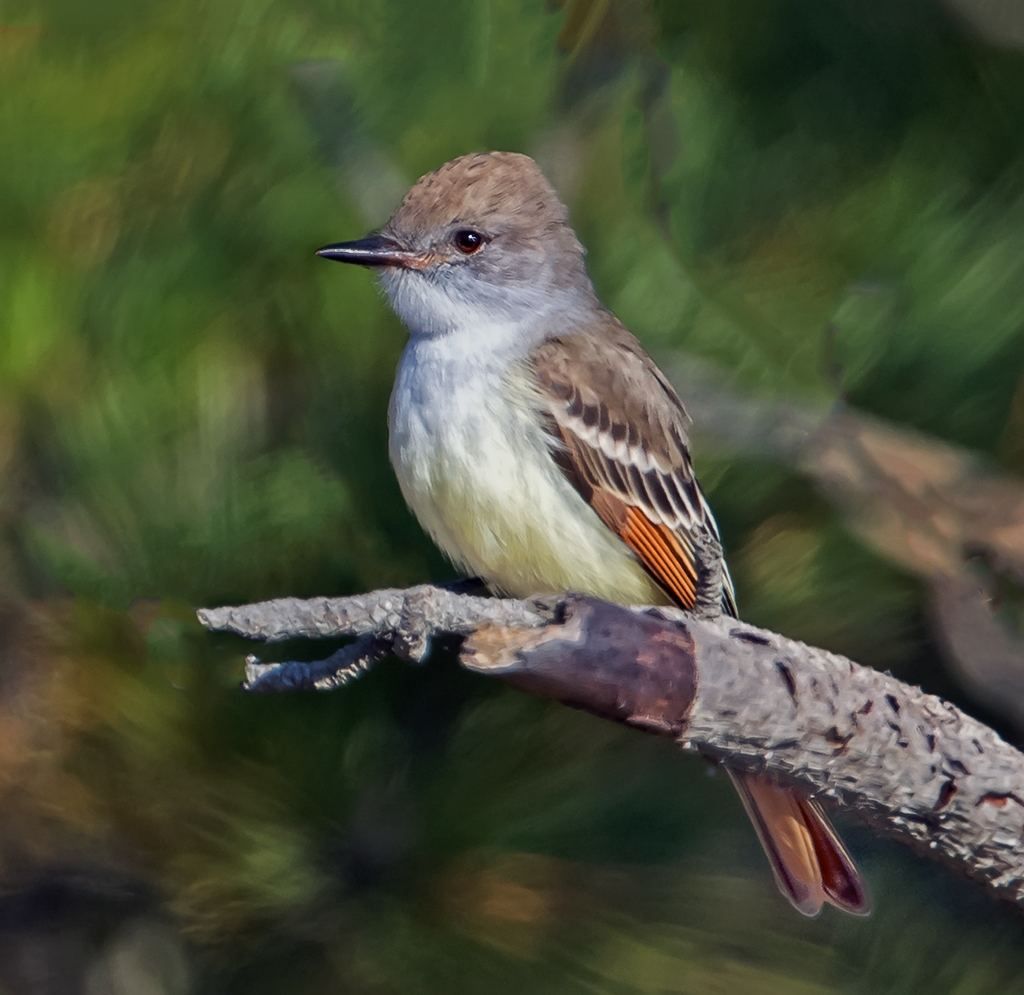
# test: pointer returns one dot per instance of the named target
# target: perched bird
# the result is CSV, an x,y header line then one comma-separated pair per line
x,y
542,448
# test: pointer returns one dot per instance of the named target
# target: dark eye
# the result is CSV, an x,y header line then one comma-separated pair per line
x,y
469,241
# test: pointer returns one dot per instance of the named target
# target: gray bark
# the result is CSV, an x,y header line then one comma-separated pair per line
x,y
934,509
911,765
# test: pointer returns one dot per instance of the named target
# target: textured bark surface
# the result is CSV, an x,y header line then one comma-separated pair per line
x,y
911,765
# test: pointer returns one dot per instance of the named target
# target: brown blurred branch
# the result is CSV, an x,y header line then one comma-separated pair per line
x,y
911,765
934,509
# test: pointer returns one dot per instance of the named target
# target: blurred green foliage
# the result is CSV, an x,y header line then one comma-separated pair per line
x,y
822,196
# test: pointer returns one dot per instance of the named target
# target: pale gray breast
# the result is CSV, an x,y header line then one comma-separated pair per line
x,y
443,407
458,447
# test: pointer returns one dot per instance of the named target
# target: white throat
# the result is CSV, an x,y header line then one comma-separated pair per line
x,y
452,301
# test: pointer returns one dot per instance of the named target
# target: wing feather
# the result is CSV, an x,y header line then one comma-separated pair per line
x,y
620,433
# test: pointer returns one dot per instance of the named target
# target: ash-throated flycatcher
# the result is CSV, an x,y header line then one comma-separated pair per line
x,y
543,450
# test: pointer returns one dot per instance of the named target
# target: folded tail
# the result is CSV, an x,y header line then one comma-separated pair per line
x,y
810,863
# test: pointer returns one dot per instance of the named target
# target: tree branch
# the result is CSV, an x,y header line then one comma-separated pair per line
x,y
912,765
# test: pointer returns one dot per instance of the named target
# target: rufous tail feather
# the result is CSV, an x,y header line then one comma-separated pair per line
x,y
810,863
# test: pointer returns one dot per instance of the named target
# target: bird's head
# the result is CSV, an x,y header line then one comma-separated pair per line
x,y
484,240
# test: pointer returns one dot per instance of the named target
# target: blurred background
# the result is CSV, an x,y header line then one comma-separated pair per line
x,y
812,214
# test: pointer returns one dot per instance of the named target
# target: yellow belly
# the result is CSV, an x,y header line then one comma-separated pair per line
x,y
538,545
478,473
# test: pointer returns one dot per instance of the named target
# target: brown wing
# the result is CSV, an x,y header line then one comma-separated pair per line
x,y
621,441
619,435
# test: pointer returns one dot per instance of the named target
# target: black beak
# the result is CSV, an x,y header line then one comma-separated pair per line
x,y
374,250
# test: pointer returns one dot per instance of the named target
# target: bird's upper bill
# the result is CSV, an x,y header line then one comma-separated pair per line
x,y
374,250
